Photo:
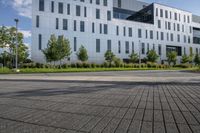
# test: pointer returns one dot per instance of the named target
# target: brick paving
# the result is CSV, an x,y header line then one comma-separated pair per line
x,y
106,107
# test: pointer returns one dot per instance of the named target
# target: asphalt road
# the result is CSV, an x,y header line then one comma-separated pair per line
x,y
164,102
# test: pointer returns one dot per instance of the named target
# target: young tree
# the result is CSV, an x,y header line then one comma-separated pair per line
x,y
51,52
172,57
185,59
82,54
109,56
152,56
134,57
63,47
8,40
197,60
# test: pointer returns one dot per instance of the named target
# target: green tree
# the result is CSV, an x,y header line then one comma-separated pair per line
x,y
134,57
118,62
5,59
152,56
8,40
109,56
172,57
63,47
4,36
197,60
51,52
185,59
82,54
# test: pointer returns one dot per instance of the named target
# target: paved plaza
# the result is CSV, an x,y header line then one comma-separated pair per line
x,y
141,102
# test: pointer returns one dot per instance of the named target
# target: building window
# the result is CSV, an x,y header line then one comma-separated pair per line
x,y
143,48
146,34
166,14
172,37
156,11
60,8
183,28
117,30
85,11
41,5
175,16
161,35
82,26
68,9
97,13
178,38
40,42
139,33
105,29
65,24
57,23
124,31
37,21
151,34
119,47
105,2
119,3
169,26
98,49
75,44
188,18
157,35
100,28
109,45
178,27
127,47
133,47
93,28
98,2
74,25
159,24
161,12
148,48
159,49
108,15
130,32
90,1
78,10
52,6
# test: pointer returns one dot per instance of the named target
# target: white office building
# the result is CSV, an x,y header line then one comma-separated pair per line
x,y
122,26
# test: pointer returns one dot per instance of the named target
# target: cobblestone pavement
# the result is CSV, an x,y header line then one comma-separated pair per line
x,y
106,107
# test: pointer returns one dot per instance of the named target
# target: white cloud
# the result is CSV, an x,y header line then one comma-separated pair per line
x,y
23,7
26,33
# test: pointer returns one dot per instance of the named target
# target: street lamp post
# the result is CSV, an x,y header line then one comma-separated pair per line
x,y
16,57
139,54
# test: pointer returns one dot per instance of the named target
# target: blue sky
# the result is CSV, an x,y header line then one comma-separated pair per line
x,y
10,9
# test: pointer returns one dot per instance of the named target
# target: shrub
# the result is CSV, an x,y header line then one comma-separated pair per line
x,y
118,62
152,56
73,65
185,59
93,65
172,57
106,64
184,65
134,58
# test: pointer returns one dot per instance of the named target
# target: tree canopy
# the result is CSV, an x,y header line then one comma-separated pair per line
x,y
57,49
82,54
152,56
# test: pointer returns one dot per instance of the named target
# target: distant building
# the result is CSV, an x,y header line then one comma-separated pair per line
x,y
122,26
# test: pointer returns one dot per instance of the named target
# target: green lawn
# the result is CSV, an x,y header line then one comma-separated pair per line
x,y
51,70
